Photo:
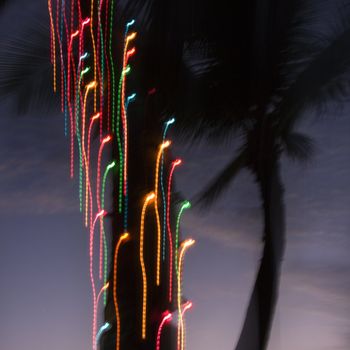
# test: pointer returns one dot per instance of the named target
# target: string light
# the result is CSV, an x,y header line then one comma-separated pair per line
x,y
121,162
53,45
86,70
166,318
108,168
186,307
93,48
163,146
98,182
112,64
129,24
92,120
78,93
101,68
174,164
149,198
185,205
129,99
122,239
108,70
107,326
64,21
61,56
125,128
91,255
90,86
184,246
76,33
102,290
167,124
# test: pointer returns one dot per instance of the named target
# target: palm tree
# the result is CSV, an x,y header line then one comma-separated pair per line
x,y
259,90
258,86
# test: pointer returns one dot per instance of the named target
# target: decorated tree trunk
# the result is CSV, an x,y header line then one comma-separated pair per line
x,y
111,80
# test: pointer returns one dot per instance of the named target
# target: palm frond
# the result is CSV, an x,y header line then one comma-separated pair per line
x,y
25,70
325,79
298,147
216,187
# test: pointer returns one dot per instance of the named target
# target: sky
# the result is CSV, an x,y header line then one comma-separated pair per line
x,y
44,282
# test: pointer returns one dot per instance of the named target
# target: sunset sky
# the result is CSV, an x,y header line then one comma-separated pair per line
x,y
45,290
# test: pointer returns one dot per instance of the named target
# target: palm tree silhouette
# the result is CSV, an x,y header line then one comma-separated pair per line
x,y
259,89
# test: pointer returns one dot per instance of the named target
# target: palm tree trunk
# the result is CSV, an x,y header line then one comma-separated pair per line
x,y
256,327
145,139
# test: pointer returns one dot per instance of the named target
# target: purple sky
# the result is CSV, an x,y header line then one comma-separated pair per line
x,y
42,236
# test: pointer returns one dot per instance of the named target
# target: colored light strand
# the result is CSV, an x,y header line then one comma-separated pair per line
x,y
53,45
126,199
102,291
108,70
98,182
174,164
163,146
71,118
112,61
63,24
86,70
93,50
125,129
122,239
100,42
166,318
149,198
111,107
167,124
184,205
105,254
90,86
91,255
107,326
92,120
121,111
184,246
186,307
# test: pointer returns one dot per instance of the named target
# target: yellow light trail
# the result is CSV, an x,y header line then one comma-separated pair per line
x,y
184,246
160,152
122,238
186,307
150,197
90,86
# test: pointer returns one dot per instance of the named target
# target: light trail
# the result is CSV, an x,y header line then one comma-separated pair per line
x,y
163,146
149,198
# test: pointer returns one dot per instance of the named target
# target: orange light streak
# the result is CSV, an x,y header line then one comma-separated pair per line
x,y
186,307
122,238
149,198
